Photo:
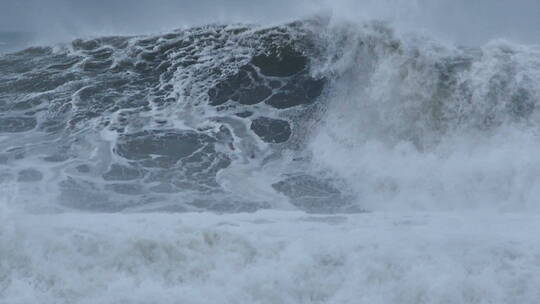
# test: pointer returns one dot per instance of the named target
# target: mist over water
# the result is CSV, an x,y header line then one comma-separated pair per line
x,y
63,20
269,152
461,21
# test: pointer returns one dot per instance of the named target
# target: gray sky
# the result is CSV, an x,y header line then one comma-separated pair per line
x,y
464,21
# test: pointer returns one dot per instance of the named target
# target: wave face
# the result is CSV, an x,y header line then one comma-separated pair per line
x,y
312,115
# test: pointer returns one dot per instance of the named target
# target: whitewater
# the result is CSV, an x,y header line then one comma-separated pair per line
x,y
323,160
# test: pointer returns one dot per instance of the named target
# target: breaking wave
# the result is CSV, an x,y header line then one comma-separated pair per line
x,y
312,115
315,116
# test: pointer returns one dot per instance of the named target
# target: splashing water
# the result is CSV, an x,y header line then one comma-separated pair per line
x,y
291,132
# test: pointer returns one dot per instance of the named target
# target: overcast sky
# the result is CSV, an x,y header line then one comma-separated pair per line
x,y
466,21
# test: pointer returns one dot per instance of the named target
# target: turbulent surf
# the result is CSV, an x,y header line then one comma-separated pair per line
x,y
316,116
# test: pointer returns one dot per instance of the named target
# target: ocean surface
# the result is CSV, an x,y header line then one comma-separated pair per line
x,y
315,161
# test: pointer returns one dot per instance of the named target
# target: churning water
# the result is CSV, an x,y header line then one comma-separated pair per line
x,y
328,137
